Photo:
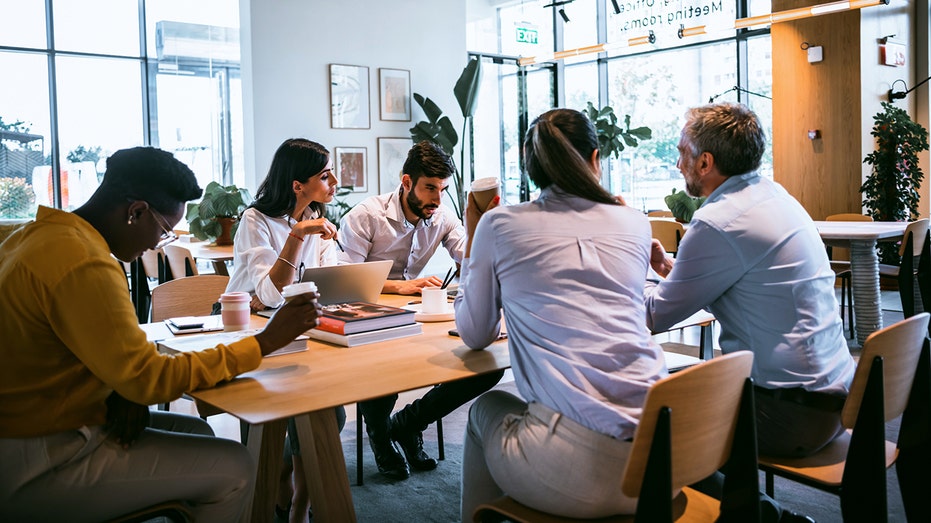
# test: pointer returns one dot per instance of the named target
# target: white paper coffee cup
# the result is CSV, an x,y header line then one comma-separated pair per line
x,y
484,190
433,299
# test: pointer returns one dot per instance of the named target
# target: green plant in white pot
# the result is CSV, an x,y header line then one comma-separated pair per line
x,y
216,216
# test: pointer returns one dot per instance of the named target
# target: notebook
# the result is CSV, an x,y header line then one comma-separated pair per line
x,y
344,283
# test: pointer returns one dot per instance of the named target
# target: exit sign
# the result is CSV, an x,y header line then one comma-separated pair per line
x,y
526,35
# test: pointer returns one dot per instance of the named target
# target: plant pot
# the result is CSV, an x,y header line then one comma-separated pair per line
x,y
226,230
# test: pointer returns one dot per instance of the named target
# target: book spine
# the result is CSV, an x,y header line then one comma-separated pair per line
x,y
331,325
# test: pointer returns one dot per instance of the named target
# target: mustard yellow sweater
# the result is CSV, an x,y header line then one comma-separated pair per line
x,y
69,335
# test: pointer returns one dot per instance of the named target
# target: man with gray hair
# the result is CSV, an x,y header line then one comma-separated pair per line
x,y
753,257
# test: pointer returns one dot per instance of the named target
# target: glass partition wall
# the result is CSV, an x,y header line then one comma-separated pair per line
x,y
653,83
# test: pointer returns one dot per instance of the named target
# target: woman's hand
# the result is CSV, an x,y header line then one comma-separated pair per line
x,y
320,226
659,261
473,215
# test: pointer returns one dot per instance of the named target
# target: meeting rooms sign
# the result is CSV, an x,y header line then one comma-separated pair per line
x,y
638,17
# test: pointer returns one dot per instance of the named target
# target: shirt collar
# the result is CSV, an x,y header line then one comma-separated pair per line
x,y
731,183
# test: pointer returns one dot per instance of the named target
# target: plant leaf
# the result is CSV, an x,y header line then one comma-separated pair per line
x,y
467,87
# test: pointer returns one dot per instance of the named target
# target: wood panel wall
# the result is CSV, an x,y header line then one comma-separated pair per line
x,y
823,174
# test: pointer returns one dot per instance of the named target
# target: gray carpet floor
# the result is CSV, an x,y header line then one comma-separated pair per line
x,y
434,496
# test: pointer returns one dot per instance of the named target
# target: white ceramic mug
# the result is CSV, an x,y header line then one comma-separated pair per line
x,y
434,300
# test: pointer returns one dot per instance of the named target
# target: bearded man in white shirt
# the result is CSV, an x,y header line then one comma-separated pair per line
x,y
407,226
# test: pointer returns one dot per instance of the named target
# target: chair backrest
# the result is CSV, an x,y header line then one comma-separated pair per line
x,y
918,230
153,262
849,217
660,214
899,345
191,296
704,401
669,233
180,261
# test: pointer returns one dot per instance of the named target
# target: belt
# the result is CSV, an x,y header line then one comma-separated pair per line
x,y
816,400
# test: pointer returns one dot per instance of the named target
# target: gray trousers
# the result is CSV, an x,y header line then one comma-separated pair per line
x,y
542,459
81,475
791,430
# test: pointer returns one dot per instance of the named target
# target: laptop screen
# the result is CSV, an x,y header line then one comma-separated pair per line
x,y
349,282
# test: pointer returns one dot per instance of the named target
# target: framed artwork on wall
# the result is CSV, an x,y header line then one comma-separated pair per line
x,y
391,155
349,96
351,167
395,94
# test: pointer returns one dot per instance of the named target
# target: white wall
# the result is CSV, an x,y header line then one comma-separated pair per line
x,y
288,45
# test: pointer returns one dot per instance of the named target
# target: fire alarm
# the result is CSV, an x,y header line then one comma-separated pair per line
x,y
814,134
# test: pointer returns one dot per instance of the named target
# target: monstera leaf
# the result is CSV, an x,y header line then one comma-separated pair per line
x,y
682,205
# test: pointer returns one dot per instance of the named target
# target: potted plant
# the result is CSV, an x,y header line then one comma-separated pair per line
x,y
216,216
890,192
682,205
439,129
611,137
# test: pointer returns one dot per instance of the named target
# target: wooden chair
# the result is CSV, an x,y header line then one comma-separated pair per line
x,y
180,261
191,296
913,244
660,214
892,378
841,268
669,233
692,423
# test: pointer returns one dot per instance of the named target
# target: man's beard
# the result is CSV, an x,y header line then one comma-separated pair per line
x,y
417,207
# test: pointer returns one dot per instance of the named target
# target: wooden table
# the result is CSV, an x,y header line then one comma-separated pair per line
x,y
307,385
861,238
217,254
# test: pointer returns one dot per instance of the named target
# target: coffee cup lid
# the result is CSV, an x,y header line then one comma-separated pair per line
x,y
483,184
296,289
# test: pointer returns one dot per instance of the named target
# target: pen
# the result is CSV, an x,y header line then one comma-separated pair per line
x,y
339,245
449,278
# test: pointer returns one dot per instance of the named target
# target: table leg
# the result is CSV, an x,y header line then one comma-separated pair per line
x,y
219,267
864,269
266,444
324,466
706,343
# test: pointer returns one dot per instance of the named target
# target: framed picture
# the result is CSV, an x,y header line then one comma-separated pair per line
x,y
391,155
395,94
351,168
349,97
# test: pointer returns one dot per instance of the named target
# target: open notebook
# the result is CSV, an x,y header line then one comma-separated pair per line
x,y
345,283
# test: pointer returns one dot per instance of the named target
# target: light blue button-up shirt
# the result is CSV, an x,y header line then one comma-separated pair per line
x,y
569,275
753,257
376,229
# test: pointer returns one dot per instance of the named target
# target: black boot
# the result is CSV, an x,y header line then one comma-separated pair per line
x,y
390,462
411,442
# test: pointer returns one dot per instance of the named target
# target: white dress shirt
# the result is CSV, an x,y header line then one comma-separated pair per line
x,y
376,229
753,257
258,243
569,275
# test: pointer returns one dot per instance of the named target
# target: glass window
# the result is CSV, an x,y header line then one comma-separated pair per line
x,y
582,28
656,93
97,26
24,135
95,119
760,73
23,23
581,85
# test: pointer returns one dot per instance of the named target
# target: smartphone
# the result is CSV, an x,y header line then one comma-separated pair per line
x,y
501,336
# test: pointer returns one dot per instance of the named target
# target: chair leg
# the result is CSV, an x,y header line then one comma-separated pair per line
x,y
439,439
358,446
915,443
863,487
850,319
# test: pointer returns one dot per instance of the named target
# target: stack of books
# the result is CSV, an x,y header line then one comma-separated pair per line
x,y
358,322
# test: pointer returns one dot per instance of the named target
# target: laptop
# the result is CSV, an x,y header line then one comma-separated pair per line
x,y
344,283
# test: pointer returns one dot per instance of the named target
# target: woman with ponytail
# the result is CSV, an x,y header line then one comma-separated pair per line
x,y
568,271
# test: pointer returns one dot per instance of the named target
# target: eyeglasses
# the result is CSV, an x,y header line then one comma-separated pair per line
x,y
168,235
